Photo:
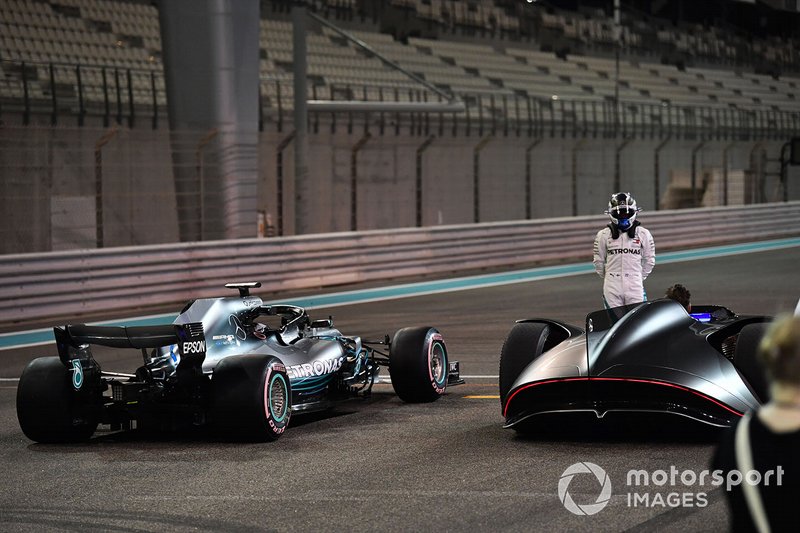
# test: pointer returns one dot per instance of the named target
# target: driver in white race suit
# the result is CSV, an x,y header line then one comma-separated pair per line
x,y
624,253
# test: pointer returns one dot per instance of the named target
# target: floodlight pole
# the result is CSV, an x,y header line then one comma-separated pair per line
x,y
299,64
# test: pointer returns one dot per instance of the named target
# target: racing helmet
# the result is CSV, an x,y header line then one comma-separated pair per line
x,y
622,210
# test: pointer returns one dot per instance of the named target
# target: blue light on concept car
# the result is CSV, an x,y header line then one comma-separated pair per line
x,y
702,317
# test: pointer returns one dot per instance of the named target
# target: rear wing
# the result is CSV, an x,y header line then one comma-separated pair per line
x,y
72,341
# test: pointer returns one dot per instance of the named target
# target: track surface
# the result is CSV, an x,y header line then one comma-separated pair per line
x,y
379,464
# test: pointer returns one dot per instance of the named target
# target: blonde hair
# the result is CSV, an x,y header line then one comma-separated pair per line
x,y
779,350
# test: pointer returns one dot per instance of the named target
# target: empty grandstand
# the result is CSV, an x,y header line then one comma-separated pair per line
x,y
554,93
104,57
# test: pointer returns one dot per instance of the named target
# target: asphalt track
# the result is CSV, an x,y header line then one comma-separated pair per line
x,y
379,464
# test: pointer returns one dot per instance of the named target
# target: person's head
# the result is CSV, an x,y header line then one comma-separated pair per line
x,y
680,294
779,351
622,210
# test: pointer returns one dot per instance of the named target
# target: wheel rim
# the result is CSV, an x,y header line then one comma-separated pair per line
x,y
277,398
438,362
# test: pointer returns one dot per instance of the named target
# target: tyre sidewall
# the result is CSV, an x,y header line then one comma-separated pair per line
x,y
434,342
241,404
524,344
410,364
50,408
276,418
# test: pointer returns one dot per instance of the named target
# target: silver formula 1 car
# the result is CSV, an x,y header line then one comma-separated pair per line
x,y
650,357
234,364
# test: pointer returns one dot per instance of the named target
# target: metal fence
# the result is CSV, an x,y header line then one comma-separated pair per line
x,y
107,95
512,114
70,188
67,188
68,94
86,161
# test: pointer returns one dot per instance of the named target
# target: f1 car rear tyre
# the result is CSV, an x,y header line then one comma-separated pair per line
x,y
251,397
418,364
49,409
745,358
525,342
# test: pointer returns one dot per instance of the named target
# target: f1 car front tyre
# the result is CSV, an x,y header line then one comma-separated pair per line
x,y
745,359
49,409
525,342
251,398
418,364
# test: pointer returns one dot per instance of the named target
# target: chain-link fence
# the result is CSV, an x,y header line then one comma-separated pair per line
x,y
90,188
68,188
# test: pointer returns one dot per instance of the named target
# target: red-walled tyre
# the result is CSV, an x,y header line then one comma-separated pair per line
x,y
251,398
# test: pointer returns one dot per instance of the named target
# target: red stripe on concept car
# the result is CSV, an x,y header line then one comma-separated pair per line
x,y
632,380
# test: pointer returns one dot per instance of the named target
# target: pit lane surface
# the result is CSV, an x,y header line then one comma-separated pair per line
x,y
379,464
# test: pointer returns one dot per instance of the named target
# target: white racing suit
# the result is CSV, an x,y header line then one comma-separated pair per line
x,y
624,263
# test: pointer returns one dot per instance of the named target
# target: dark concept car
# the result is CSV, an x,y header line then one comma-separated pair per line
x,y
650,357
236,365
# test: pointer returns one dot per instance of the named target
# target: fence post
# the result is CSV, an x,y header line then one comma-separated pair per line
x,y
529,177
53,96
415,117
26,115
469,122
81,105
657,169
759,163
427,115
119,96
418,182
381,118
279,180
617,169
278,98
397,115
725,172
316,115
505,116
480,116
785,171
697,148
98,184
155,99
585,128
106,101
530,116
476,178
260,110
354,180
578,145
